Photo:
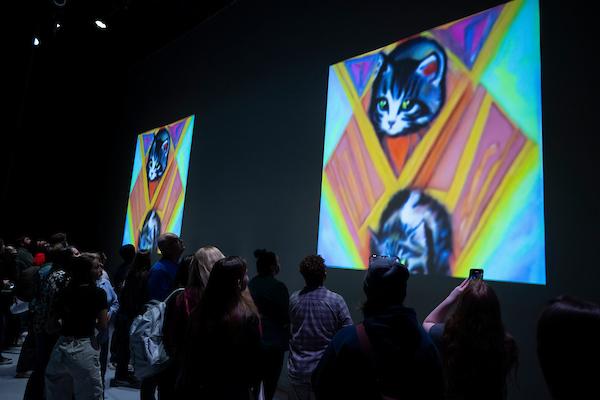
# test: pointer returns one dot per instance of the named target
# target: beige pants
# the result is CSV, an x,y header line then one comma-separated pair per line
x,y
74,371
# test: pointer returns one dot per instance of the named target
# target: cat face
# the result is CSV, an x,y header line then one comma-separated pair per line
x,y
409,88
158,156
415,227
150,231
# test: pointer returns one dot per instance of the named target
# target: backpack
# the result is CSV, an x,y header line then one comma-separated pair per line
x,y
365,346
148,354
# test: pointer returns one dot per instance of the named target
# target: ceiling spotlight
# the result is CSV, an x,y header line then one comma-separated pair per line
x,y
100,24
58,25
36,41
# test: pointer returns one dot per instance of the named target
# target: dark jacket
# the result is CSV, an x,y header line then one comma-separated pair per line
x,y
134,295
221,361
272,299
24,259
27,283
403,362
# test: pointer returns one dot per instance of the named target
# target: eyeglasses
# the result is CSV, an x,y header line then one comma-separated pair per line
x,y
402,261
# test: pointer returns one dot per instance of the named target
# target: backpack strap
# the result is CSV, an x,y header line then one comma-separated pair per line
x,y
172,294
363,339
365,346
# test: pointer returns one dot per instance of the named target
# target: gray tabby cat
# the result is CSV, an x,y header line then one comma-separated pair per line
x,y
158,155
409,89
417,228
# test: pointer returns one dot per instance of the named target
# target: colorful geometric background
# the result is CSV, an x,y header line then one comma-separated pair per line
x,y
166,195
481,157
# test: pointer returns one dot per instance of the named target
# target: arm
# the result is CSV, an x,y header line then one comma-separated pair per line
x,y
438,315
174,325
344,317
284,306
102,320
253,347
114,305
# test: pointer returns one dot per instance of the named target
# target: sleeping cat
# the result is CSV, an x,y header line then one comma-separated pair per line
x,y
417,228
148,239
158,155
409,88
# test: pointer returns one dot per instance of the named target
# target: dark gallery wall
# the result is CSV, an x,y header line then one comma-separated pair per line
x,y
255,76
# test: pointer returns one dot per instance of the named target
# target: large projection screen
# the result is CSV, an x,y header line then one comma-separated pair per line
x,y
433,151
158,183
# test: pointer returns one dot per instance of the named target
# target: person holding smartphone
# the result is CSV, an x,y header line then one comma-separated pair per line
x,y
477,352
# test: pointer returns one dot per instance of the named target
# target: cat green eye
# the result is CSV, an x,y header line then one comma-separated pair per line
x,y
382,104
406,104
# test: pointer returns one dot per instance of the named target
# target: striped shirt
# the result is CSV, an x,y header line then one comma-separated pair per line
x,y
316,315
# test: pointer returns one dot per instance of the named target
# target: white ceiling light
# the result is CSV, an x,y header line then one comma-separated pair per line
x,y
100,24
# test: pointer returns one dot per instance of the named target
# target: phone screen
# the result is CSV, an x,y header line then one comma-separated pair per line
x,y
476,273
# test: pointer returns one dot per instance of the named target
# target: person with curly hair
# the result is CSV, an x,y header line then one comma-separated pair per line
x,y
316,315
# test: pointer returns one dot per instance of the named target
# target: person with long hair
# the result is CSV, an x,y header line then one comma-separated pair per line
x,y
272,298
193,276
73,371
478,354
103,282
134,295
223,339
567,345
180,307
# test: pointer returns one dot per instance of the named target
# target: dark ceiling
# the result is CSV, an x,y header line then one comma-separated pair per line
x,y
135,27
73,86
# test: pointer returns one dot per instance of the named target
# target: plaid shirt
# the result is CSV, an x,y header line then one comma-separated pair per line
x,y
316,316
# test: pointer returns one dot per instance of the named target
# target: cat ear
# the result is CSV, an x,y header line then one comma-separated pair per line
x,y
431,68
381,60
374,241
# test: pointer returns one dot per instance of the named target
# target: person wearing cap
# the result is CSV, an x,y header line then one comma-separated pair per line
x,y
388,355
316,315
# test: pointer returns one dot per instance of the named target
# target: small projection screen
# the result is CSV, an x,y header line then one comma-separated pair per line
x,y
433,151
158,183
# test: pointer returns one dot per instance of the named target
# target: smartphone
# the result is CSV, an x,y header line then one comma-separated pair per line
x,y
475,273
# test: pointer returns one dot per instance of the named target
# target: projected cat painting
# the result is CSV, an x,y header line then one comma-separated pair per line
x,y
433,151
158,182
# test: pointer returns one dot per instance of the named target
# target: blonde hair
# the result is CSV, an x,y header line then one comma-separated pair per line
x,y
202,264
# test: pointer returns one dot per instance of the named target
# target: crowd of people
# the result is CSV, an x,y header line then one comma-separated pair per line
x,y
225,336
